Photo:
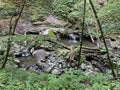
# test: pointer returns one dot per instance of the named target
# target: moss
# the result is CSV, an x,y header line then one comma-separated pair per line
x,y
52,35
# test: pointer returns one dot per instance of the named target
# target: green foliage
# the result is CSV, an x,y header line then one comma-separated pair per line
x,y
103,49
109,16
62,52
111,27
62,10
38,13
74,15
64,7
40,40
15,79
72,9
110,12
117,67
39,9
22,39
6,10
52,35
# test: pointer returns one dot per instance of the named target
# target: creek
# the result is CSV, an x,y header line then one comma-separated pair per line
x,y
74,39
49,61
42,62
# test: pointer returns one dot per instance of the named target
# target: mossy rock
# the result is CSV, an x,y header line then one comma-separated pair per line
x,y
52,35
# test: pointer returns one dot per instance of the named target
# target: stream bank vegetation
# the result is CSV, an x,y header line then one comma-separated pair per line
x,y
59,45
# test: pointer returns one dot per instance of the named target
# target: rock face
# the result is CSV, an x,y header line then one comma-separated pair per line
x,y
54,20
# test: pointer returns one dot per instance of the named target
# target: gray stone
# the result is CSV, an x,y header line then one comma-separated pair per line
x,y
43,65
49,69
97,69
83,66
17,61
90,72
40,54
64,65
56,72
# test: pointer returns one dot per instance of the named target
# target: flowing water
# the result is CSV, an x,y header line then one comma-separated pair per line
x,y
72,38
27,61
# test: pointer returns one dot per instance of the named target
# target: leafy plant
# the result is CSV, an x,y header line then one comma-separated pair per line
x,y
109,15
16,79
7,10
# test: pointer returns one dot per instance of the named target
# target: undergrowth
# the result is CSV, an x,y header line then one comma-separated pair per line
x,y
109,16
16,79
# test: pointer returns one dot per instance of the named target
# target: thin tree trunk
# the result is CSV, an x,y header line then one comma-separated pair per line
x,y
11,33
16,22
100,28
81,40
8,43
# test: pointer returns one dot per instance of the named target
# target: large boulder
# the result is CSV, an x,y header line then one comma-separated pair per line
x,y
40,55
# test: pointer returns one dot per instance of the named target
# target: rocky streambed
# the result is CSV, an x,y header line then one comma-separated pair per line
x,y
57,60
42,59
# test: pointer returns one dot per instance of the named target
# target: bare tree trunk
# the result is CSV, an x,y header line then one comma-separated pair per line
x,y
8,43
11,34
81,40
100,28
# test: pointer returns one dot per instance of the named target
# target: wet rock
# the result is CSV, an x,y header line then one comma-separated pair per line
x,y
46,32
114,44
83,66
52,64
43,65
19,51
40,55
97,69
35,68
1,51
50,68
90,72
56,72
16,49
17,61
